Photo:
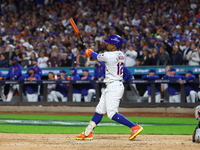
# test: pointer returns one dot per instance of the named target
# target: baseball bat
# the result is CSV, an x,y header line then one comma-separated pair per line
x,y
77,31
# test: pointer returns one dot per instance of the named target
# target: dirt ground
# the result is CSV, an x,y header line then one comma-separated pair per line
x,y
13,141
100,142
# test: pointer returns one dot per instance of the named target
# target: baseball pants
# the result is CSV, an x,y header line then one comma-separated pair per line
x,y
175,98
76,97
192,97
88,98
56,95
110,98
32,97
12,89
2,93
157,97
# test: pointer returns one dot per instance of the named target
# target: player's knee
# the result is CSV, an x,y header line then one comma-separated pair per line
x,y
192,92
111,114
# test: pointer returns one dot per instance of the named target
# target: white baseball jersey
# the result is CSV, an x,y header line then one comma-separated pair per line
x,y
42,62
114,62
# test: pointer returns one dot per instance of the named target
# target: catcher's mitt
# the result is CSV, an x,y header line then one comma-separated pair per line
x,y
88,54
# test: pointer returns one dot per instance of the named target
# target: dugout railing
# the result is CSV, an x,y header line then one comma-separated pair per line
x,y
124,102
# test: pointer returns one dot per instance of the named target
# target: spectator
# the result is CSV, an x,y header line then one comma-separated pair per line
x,y
31,89
177,58
154,55
185,52
54,61
130,56
17,54
3,51
42,60
191,88
193,56
79,59
3,61
76,87
173,89
14,73
163,57
61,90
65,62
87,90
152,76
146,58
25,60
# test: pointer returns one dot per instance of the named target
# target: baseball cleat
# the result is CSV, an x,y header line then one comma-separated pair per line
x,y
82,136
135,131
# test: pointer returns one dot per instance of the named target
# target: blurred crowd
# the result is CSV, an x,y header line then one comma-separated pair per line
x,y
155,32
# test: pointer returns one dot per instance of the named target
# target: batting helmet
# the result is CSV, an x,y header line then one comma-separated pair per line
x,y
115,39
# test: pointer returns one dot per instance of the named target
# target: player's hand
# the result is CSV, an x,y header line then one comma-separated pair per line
x,y
88,54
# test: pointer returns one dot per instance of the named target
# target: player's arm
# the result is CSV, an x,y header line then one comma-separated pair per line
x,y
94,55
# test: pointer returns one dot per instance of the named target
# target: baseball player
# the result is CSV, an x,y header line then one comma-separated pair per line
x,y
191,88
87,89
31,89
76,88
61,90
196,134
110,98
50,87
152,76
14,73
127,77
2,88
38,71
173,89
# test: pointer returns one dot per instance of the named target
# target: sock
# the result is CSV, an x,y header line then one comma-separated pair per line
x,y
121,119
97,118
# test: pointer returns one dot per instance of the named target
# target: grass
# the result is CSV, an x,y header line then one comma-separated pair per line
x,y
161,125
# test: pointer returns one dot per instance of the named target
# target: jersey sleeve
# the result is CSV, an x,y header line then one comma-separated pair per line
x,y
102,57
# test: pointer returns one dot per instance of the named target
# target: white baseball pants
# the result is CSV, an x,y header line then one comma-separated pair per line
x,y
2,93
32,97
88,98
76,97
56,95
192,97
12,89
175,98
110,98
157,97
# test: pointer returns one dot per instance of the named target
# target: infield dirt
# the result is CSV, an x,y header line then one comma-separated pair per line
x,y
12,141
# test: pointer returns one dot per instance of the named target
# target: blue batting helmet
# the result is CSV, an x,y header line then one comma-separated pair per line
x,y
115,39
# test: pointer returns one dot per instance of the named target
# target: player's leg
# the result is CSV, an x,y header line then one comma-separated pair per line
x,y
91,93
188,99
157,98
29,97
177,98
2,93
113,96
149,99
76,97
63,99
171,99
54,95
10,93
34,97
49,98
100,110
193,96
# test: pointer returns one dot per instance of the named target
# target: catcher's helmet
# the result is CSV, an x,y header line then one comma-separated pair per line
x,y
115,39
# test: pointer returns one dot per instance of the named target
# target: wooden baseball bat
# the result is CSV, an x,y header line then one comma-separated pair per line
x,y
77,31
